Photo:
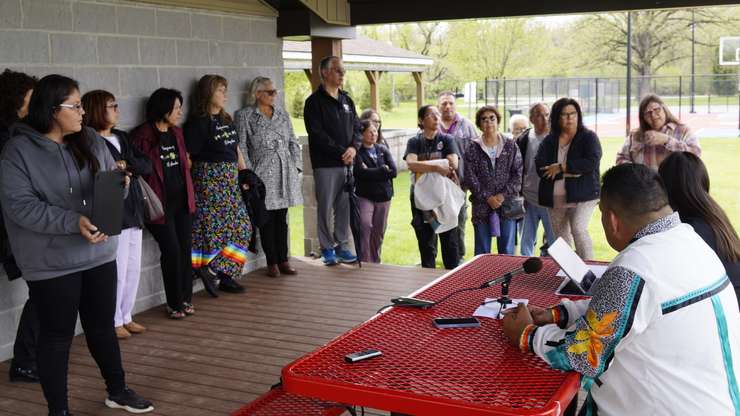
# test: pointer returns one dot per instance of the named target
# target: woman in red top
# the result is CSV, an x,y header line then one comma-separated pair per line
x,y
161,140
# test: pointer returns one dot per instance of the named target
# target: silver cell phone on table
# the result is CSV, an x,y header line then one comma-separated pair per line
x,y
443,323
362,355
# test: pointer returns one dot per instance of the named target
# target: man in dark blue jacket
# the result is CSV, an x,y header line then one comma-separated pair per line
x,y
333,137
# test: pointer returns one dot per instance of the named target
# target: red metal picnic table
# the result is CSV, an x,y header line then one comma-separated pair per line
x,y
428,371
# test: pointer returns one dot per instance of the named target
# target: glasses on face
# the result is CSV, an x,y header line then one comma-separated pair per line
x,y
491,118
655,110
572,114
77,107
271,93
339,71
113,106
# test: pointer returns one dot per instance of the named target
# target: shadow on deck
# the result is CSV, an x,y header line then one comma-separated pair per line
x,y
233,349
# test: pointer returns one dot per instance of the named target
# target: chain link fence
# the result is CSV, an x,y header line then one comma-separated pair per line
x,y
712,106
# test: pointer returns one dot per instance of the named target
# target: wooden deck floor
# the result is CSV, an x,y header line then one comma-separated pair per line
x,y
233,349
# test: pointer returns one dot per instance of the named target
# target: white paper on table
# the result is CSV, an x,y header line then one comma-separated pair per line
x,y
492,309
598,270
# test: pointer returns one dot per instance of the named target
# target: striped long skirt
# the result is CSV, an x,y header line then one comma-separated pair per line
x,y
221,227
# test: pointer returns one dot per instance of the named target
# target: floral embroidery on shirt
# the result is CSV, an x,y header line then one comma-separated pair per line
x,y
590,340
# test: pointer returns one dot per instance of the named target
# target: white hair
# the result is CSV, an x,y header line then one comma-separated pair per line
x,y
516,118
256,85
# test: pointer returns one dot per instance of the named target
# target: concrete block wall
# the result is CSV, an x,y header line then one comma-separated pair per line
x,y
131,49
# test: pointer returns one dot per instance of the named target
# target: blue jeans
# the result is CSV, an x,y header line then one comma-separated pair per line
x,y
505,243
534,213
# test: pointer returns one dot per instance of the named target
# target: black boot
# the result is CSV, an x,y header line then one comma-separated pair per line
x,y
60,413
24,374
228,284
209,280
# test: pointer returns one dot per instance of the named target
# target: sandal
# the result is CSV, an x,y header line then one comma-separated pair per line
x,y
188,308
175,314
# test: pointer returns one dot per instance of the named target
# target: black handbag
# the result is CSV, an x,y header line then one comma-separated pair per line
x,y
513,208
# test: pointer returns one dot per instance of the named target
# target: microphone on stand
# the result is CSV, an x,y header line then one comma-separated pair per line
x,y
531,265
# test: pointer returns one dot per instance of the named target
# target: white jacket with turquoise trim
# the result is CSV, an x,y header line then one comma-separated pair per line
x,y
661,335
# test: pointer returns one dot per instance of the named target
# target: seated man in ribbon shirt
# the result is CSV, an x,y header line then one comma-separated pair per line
x,y
661,334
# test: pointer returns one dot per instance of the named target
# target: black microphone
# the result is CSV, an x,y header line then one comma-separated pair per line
x,y
531,265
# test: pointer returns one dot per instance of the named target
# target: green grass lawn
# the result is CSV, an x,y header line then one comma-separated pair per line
x,y
722,157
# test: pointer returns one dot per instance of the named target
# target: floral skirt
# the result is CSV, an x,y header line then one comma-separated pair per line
x,y
221,227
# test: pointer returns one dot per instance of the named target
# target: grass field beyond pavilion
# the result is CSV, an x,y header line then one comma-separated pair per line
x,y
722,157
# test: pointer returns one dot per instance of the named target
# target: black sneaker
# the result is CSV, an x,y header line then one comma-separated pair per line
x,y
129,401
209,281
230,285
24,374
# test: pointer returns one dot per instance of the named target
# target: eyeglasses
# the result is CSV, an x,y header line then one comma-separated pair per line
x,y
573,114
654,110
113,106
271,93
491,118
340,71
76,107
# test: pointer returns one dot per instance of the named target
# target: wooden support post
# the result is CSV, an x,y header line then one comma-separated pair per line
x,y
419,78
308,75
320,48
373,77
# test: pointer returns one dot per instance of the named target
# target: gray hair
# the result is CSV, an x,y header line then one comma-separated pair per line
x,y
517,117
534,107
325,63
256,85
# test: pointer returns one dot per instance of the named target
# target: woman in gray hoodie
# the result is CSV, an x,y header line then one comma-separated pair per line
x,y
47,172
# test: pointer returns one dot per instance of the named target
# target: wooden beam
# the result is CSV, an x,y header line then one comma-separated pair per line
x,y
373,12
373,77
308,74
320,48
419,78
250,7
331,11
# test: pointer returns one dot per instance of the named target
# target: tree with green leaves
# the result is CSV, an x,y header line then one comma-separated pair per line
x,y
660,38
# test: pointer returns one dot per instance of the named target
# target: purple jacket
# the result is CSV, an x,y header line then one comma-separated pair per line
x,y
483,181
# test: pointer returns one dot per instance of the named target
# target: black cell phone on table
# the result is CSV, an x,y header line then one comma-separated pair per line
x,y
362,355
443,323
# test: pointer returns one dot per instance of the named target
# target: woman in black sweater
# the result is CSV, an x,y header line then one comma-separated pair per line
x,y
374,170
687,182
568,163
15,93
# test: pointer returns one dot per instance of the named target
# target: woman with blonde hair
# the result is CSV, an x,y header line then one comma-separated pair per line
x,y
221,226
272,151
660,133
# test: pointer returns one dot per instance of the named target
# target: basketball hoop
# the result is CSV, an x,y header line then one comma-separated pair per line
x,y
729,50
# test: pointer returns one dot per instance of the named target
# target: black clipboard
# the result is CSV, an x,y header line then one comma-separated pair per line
x,y
107,209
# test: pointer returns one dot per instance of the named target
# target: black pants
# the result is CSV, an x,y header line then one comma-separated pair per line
x,y
427,240
174,239
92,293
24,349
274,236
